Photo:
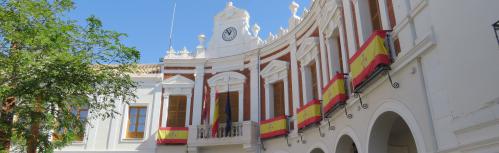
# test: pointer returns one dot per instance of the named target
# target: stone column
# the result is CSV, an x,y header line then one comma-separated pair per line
x,y
324,66
165,110
318,76
188,110
294,75
294,80
268,99
304,77
329,51
254,85
286,96
198,95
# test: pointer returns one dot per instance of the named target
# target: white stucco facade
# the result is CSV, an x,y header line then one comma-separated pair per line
x,y
447,102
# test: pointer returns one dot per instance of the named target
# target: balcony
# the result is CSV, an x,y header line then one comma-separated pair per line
x,y
245,133
374,57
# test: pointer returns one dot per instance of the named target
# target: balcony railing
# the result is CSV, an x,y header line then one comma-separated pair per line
x,y
240,133
205,131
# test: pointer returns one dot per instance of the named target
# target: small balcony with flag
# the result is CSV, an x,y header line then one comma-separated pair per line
x,y
278,126
225,125
309,114
372,59
334,94
172,136
239,133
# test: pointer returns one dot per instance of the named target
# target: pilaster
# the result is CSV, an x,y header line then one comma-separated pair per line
x,y
254,85
198,95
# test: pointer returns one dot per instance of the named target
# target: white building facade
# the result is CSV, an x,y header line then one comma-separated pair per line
x,y
437,92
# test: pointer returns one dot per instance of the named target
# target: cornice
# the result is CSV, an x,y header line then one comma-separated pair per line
x,y
303,30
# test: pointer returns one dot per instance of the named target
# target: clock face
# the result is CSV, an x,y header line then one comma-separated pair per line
x,y
229,34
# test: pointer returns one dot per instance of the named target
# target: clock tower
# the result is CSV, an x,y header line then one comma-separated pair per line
x,y
231,33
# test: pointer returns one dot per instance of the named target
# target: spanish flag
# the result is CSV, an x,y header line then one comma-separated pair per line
x,y
216,116
274,127
334,93
309,114
366,60
172,135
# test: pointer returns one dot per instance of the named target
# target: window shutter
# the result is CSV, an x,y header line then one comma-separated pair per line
x,y
279,108
176,111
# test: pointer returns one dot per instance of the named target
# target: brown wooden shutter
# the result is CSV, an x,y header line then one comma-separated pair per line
x,y
393,23
279,108
375,15
234,103
313,74
176,111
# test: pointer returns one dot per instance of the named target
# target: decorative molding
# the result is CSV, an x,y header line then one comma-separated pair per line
x,y
227,82
275,70
308,50
225,78
178,82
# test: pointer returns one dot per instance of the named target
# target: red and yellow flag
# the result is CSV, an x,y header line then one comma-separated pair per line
x,y
172,135
274,127
372,54
334,93
309,114
216,116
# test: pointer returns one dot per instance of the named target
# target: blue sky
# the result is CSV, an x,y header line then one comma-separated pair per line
x,y
147,22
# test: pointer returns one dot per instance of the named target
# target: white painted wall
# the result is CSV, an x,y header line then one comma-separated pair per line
x,y
447,70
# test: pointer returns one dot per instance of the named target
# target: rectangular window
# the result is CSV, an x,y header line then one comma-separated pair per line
x,y
234,105
313,81
278,90
176,111
393,23
354,20
136,122
336,55
82,115
375,15
391,13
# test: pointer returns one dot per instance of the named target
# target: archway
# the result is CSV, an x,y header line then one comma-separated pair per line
x,y
317,150
391,134
346,145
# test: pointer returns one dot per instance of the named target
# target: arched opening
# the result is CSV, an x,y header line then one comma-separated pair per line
x,y
317,150
346,145
391,134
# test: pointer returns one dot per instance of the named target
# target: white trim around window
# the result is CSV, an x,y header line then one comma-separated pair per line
x,y
124,125
275,71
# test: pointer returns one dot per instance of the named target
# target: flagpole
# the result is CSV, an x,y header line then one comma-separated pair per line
x,y
171,26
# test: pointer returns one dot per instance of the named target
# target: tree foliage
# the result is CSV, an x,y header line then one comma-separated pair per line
x,y
49,66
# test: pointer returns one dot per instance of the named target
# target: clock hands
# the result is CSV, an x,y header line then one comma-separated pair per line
x,y
229,34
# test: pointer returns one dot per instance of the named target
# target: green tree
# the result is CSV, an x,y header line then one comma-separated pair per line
x,y
49,66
